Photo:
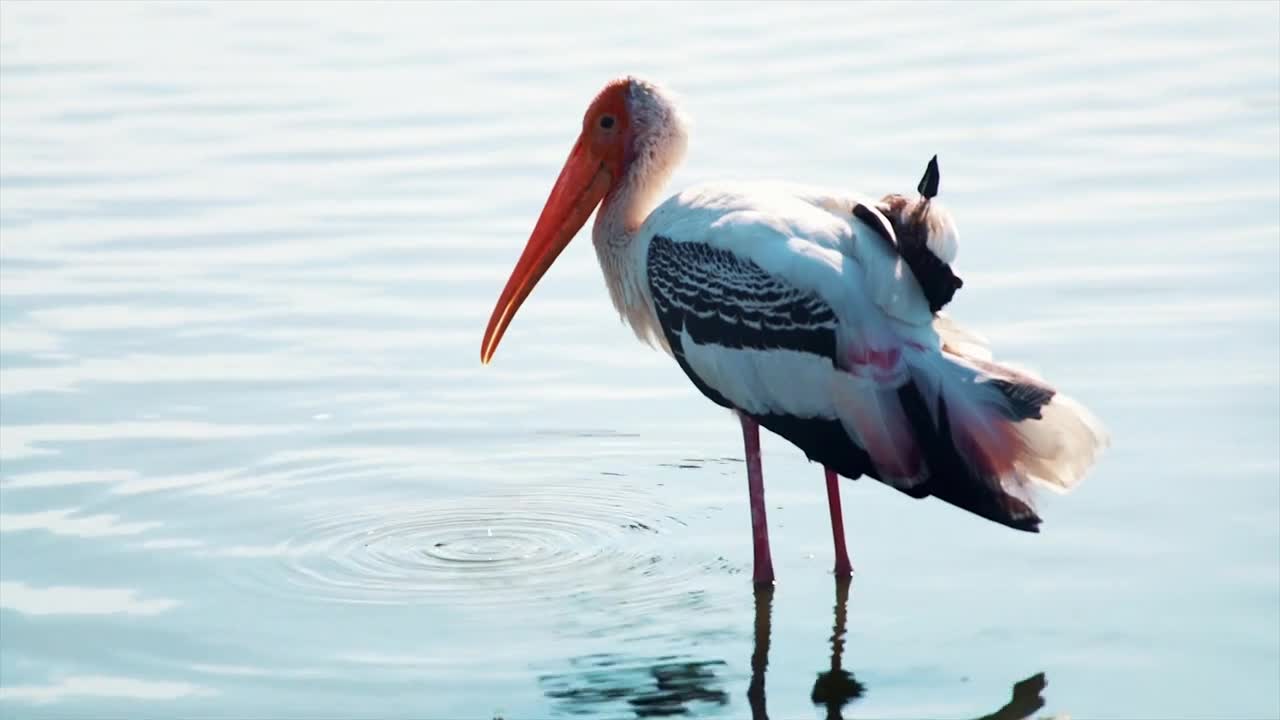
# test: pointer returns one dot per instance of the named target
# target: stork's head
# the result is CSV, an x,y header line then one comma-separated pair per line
x,y
632,137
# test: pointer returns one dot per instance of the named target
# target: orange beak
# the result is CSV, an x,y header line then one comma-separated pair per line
x,y
582,184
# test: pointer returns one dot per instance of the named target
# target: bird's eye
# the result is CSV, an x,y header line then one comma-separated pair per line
x,y
606,122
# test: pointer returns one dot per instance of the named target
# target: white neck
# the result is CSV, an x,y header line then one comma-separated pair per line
x,y
615,235
620,215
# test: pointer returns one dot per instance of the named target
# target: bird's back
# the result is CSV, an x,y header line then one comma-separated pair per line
x,y
780,302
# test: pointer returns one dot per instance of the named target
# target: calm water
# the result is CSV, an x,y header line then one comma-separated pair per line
x,y
251,465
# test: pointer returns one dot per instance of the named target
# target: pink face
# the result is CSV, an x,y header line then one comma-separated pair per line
x,y
595,164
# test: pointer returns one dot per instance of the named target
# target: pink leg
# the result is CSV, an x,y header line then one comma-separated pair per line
x,y
763,574
843,567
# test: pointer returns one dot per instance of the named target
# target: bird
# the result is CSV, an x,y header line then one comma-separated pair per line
x,y
815,314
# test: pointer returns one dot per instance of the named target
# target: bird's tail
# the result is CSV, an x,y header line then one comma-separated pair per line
x,y
976,433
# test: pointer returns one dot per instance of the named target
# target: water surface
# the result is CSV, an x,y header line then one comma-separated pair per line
x,y
250,464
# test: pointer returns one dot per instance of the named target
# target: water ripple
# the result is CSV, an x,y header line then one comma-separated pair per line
x,y
545,543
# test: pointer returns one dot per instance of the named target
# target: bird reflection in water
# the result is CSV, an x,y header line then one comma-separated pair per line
x,y
760,651
1025,701
837,687
681,685
647,687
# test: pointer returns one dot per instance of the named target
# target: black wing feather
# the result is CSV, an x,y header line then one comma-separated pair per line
x,y
722,299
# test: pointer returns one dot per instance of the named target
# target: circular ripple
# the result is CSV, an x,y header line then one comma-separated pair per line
x,y
539,543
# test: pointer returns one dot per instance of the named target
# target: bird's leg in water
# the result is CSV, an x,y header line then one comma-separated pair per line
x,y
763,561
843,567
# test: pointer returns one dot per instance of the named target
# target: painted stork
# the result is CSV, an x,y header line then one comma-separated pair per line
x,y
811,313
